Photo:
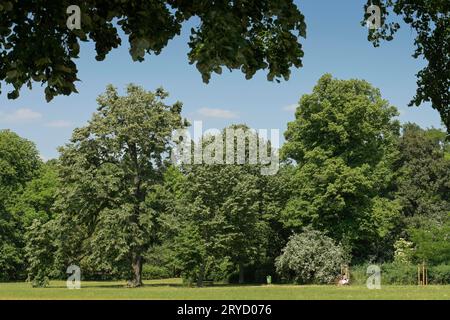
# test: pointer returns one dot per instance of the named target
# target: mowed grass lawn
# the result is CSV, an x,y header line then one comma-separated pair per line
x,y
173,289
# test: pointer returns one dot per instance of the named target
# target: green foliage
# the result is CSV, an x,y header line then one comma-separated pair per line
x,y
107,172
423,183
112,203
439,274
402,274
218,217
198,250
391,274
278,189
358,274
431,22
39,249
343,141
19,163
249,36
150,272
432,242
38,196
311,257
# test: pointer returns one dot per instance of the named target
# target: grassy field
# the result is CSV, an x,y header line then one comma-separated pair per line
x,y
173,289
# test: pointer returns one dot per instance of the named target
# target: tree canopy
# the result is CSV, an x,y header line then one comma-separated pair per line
x,y
423,182
351,188
243,35
19,163
108,170
342,177
37,46
430,20
218,216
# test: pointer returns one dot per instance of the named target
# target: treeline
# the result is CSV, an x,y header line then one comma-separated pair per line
x,y
353,187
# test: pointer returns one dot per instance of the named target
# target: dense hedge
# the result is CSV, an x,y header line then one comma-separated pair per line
x,y
401,274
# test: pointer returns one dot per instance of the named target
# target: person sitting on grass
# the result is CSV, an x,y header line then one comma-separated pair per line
x,y
344,281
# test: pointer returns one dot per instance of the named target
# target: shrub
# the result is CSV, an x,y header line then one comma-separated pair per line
x,y
358,274
391,274
40,281
401,274
150,272
310,257
433,243
398,273
439,274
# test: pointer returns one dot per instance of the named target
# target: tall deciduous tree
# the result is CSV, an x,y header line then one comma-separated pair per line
x,y
220,212
34,207
342,140
108,169
36,44
423,184
19,163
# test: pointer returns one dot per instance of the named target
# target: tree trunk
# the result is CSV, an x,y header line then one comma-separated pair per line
x,y
136,265
136,259
201,276
241,273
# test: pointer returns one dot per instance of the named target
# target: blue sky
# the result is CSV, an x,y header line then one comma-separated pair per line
x,y
336,43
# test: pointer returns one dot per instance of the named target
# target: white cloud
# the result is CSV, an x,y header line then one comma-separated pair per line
x,y
59,124
290,108
22,115
217,113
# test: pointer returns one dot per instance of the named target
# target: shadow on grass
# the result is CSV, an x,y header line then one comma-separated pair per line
x,y
215,285
97,286
155,285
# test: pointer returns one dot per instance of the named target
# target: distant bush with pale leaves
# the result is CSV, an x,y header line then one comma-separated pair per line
x,y
310,257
